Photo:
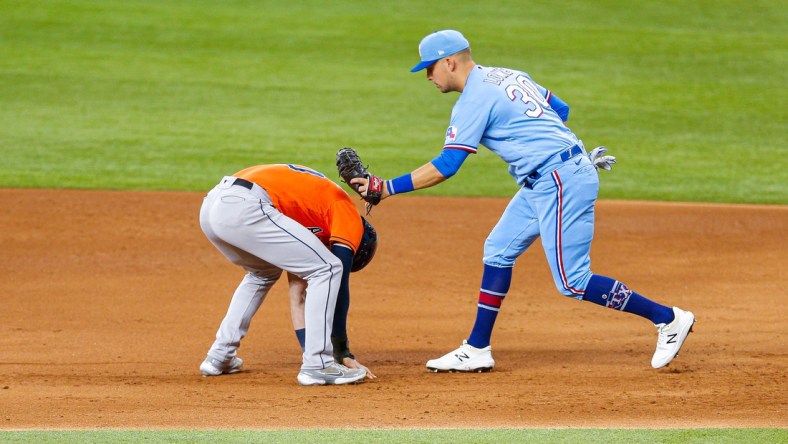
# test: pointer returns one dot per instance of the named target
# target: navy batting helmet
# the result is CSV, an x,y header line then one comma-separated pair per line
x,y
366,250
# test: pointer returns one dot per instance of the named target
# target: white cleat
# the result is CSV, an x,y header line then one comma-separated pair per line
x,y
334,374
213,367
671,337
467,358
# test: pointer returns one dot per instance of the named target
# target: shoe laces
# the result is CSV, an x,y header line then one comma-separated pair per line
x,y
663,330
467,349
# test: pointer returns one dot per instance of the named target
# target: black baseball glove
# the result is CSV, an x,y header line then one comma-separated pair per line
x,y
350,167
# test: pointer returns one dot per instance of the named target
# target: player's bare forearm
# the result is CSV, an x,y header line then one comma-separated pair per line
x,y
426,176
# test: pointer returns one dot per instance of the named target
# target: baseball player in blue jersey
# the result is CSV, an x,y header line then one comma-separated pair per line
x,y
524,123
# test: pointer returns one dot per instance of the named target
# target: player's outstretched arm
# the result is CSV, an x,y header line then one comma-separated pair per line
x,y
423,177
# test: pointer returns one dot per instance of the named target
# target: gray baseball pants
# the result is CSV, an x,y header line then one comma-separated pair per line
x,y
251,233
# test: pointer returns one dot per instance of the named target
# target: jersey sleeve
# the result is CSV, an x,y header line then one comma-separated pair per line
x,y
468,121
346,226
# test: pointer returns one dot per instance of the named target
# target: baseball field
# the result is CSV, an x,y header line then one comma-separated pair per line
x,y
117,116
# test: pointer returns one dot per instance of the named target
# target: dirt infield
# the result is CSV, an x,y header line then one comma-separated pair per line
x,y
111,299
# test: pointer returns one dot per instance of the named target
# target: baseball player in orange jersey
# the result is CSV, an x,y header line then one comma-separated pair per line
x,y
270,218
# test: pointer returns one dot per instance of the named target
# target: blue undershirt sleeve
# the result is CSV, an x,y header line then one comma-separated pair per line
x,y
345,254
449,161
559,106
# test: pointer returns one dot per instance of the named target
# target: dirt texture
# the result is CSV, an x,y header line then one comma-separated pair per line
x,y
110,301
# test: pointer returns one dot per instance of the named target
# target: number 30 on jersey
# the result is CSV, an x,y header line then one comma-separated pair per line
x,y
528,93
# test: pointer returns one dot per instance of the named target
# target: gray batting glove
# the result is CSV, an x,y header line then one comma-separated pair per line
x,y
600,161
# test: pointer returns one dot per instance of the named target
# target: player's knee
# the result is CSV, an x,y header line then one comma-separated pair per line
x,y
332,268
498,261
258,277
573,286
569,293
336,266
497,258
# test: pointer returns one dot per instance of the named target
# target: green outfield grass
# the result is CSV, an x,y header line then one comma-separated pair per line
x,y
550,436
172,95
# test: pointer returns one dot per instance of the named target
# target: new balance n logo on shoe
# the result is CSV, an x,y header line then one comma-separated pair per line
x,y
467,358
672,338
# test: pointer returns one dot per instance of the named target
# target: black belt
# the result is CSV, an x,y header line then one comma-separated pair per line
x,y
243,183
566,154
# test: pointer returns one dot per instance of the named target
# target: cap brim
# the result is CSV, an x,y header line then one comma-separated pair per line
x,y
423,64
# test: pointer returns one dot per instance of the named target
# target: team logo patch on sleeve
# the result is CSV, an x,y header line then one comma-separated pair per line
x,y
451,133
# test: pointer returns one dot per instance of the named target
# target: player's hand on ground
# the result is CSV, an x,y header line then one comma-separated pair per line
x,y
601,161
352,363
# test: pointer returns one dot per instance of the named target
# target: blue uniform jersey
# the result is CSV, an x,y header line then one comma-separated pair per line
x,y
509,113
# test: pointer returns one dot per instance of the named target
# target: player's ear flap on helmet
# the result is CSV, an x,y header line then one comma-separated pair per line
x,y
367,247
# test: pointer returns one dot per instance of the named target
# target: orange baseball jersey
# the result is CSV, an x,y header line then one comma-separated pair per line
x,y
311,199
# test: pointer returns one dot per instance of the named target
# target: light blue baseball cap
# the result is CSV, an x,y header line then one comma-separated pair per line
x,y
438,45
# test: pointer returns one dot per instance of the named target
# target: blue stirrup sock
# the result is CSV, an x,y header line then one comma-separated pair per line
x,y
495,285
607,292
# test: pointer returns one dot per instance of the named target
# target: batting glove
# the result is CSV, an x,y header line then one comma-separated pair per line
x,y
600,161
